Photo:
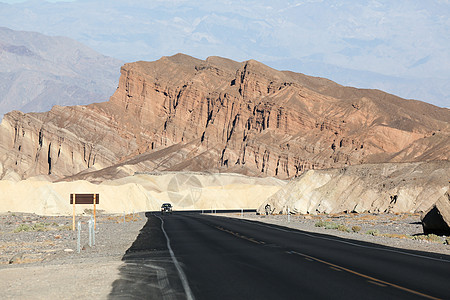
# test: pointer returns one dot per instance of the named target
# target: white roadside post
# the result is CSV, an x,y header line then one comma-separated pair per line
x,y
79,237
90,232
93,234
242,212
289,215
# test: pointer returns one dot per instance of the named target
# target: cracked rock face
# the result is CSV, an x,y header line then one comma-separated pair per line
x,y
181,113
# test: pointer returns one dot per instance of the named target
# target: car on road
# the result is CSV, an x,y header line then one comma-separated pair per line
x,y
166,208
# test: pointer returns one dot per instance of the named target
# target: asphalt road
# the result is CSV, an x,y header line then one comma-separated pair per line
x,y
195,256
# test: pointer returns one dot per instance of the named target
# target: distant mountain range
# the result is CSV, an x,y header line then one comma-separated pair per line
x,y
39,71
180,113
400,47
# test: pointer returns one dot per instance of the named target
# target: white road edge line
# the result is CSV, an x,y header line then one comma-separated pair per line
x,y
350,243
183,278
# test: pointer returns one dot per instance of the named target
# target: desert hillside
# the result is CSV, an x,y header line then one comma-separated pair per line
x,y
184,114
375,188
140,192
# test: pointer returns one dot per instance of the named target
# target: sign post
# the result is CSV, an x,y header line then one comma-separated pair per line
x,y
84,199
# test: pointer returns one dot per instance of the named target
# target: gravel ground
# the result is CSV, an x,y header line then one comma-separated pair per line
x,y
43,262
395,230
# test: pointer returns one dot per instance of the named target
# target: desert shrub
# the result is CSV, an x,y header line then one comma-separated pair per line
x,y
373,232
419,237
356,228
132,218
65,227
396,235
326,224
343,228
368,217
434,238
40,227
320,223
23,227
35,227
331,225
428,237
447,240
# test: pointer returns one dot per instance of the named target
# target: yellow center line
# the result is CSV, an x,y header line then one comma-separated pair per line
x,y
238,235
374,280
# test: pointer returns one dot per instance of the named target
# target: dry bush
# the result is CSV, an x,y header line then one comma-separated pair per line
x,y
35,227
343,228
356,228
397,235
429,237
132,218
373,232
331,225
368,217
320,223
326,224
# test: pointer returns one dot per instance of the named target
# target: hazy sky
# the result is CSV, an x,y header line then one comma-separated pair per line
x,y
398,46
21,1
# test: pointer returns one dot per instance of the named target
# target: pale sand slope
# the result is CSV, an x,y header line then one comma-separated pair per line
x,y
388,187
142,192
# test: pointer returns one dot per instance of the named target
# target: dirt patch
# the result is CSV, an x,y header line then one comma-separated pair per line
x,y
39,258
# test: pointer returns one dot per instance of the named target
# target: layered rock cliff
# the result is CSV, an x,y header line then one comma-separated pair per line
x,y
181,113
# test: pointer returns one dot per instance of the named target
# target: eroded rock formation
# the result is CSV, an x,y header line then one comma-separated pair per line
x,y
181,113
375,188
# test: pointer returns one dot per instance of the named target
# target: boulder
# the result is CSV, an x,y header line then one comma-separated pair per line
x,y
437,218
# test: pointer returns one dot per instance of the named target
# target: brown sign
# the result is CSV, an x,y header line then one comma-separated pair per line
x,y
85,198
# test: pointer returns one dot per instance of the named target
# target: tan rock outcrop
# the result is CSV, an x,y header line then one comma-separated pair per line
x,y
181,113
384,187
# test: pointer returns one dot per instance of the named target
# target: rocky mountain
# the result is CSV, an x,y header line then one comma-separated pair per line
x,y
218,115
39,71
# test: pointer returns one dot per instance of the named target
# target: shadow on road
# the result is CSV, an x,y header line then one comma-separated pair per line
x,y
148,271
